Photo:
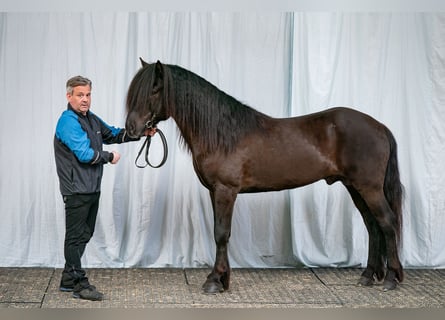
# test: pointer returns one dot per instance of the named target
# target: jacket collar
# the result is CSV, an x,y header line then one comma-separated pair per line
x,y
70,107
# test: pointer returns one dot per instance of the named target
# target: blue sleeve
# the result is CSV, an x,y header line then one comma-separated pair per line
x,y
70,132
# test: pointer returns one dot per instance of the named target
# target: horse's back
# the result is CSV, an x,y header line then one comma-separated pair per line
x,y
347,126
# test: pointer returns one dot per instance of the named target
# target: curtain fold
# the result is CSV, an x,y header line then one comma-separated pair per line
x,y
389,65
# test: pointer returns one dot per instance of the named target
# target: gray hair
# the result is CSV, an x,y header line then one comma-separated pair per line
x,y
77,81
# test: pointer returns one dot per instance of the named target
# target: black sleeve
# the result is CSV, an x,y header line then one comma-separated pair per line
x,y
102,157
120,137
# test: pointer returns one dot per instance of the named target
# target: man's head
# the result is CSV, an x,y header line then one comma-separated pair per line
x,y
78,93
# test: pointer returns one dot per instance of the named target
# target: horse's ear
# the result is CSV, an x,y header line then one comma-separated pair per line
x,y
159,77
159,69
144,64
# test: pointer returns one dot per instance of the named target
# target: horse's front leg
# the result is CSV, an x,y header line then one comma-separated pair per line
x,y
223,199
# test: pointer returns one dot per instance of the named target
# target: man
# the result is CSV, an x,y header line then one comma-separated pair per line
x,y
78,142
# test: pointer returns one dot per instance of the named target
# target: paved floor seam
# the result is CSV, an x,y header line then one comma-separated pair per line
x,y
42,301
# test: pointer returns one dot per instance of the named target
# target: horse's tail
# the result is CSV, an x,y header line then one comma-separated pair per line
x,y
392,187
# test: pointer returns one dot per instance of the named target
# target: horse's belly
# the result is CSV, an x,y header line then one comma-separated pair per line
x,y
274,176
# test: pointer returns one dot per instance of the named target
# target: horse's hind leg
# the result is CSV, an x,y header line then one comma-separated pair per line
x,y
376,250
223,199
387,222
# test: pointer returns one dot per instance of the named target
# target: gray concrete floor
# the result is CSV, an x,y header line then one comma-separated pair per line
x,y
250,288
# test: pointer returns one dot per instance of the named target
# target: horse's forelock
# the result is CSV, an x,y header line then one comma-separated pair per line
x,y
139,89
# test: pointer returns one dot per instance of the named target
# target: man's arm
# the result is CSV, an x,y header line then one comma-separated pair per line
x,y
70,132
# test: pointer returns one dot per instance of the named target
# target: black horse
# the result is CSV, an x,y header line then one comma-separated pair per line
x,y
235,150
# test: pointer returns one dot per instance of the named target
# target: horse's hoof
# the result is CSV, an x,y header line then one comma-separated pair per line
x,y
365,281
390,282
210,287
389,285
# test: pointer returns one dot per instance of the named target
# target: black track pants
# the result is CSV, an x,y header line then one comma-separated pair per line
x,y
81,212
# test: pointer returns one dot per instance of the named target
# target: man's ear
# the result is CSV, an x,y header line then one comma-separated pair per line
x,y
144,64
159,77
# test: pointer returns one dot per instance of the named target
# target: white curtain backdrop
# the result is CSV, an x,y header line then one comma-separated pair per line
x,y
391,66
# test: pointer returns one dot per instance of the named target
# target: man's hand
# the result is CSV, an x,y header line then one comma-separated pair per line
x,y
116,157
150,132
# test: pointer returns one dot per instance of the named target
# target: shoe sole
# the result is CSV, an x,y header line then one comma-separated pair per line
x,y
64,289
77,296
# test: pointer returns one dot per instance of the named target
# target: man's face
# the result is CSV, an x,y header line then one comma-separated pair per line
x,y
80,99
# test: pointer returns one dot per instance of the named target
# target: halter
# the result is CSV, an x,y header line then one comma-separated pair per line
x,y
150,125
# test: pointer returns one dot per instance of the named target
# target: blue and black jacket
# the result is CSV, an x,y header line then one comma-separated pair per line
x,y
78,150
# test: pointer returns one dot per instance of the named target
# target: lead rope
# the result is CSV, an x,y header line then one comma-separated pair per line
x,y
146,145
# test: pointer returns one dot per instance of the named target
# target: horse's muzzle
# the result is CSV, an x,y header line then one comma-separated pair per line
x,y
133,131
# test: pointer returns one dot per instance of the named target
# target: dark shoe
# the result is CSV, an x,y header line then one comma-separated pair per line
x,y
68,288
67,283
89,293
64,288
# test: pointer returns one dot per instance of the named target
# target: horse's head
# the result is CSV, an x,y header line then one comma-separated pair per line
x,y
147,99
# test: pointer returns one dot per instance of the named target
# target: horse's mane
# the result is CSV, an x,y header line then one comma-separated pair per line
x,y
214,119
